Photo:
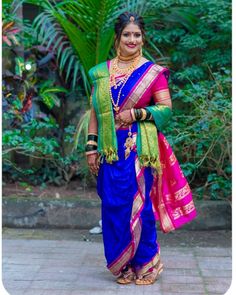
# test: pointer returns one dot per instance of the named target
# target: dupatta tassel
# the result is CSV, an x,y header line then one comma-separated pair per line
x,y
147,145
147,161
110,154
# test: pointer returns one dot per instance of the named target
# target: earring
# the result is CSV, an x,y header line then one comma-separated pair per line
x,y
118,51
141,51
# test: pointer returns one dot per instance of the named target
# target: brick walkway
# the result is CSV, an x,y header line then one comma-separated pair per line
x,y
70,267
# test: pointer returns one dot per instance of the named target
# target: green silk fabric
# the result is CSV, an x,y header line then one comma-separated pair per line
x,y
107,141
147,137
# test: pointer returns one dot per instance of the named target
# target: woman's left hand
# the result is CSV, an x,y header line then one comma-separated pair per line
x,y
124,117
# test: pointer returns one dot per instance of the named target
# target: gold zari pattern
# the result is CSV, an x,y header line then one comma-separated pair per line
x,y
184,210
161,95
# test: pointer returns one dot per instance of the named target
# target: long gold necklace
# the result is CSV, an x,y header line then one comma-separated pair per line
x,y
126,72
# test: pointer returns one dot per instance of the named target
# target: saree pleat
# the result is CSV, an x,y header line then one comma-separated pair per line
x,y
129,230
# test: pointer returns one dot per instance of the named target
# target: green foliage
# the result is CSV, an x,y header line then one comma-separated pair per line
x,y
200,64
48,93
192,38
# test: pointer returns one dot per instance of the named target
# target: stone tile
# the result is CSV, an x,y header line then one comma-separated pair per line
x,y
180,262
55,276
34,292
176,251
63,285
218,285
16,292
177,293
16,276
180,272
79,268
217,288
48,292
58,269
16,284
167,279
215,263
220,273
210,251
187,289
21,268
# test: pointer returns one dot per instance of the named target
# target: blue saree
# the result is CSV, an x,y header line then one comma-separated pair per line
x,y
129,231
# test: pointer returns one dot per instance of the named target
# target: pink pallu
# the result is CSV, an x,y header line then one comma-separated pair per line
x,y
171,195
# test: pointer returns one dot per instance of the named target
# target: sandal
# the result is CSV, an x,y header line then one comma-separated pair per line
x,y
127,276
151,276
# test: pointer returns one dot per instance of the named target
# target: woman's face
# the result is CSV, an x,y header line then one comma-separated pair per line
x,y
131,40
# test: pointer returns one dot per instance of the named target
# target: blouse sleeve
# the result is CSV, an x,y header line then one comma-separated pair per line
x,y
160,89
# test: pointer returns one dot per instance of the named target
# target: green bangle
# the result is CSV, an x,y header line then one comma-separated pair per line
x,y
138,114
148,114
90,147
93,137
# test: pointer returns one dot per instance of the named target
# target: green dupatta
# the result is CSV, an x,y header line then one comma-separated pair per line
x,y
147,137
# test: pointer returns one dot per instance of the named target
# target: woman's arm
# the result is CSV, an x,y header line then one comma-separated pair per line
x,y
93,123
163,97
91,147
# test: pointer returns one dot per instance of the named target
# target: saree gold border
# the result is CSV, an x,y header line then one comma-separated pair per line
x,y
124,258
140,89
161,95
137,205
172,159
136,228
162,91
152,263
166,222
140,180
184,210
180,194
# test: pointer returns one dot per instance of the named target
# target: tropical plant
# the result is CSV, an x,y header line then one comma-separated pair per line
x,y
193,38
82,34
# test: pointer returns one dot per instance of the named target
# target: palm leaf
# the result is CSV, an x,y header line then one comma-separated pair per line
x,y
82,130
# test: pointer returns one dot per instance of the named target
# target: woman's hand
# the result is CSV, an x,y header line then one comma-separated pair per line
x,y
92,161
124,117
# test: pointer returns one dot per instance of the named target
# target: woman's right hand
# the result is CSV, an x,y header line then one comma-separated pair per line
x,y
92,161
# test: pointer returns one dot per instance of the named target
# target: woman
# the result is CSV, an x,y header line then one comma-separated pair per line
x,y
139,179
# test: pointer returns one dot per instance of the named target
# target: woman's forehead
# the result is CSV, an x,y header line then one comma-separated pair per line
x,y
132,28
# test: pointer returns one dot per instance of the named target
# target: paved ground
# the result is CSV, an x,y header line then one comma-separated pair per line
x,y
71,262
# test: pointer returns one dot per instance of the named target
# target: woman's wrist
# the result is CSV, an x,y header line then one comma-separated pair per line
x,y
92,136
91,146
142,114
89,153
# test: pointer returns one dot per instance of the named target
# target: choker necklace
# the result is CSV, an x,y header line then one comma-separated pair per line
x,y
129,57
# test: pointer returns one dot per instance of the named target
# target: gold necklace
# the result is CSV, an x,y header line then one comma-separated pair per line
x,y
126,71
113,82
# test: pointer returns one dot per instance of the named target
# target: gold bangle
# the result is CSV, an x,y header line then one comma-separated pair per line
x,y
132,114
144,114
92,142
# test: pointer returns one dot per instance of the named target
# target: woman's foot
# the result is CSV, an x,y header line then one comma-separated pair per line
x,y
150,277
127,276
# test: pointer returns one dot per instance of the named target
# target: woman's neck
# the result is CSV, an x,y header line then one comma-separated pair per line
x,y
128,58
